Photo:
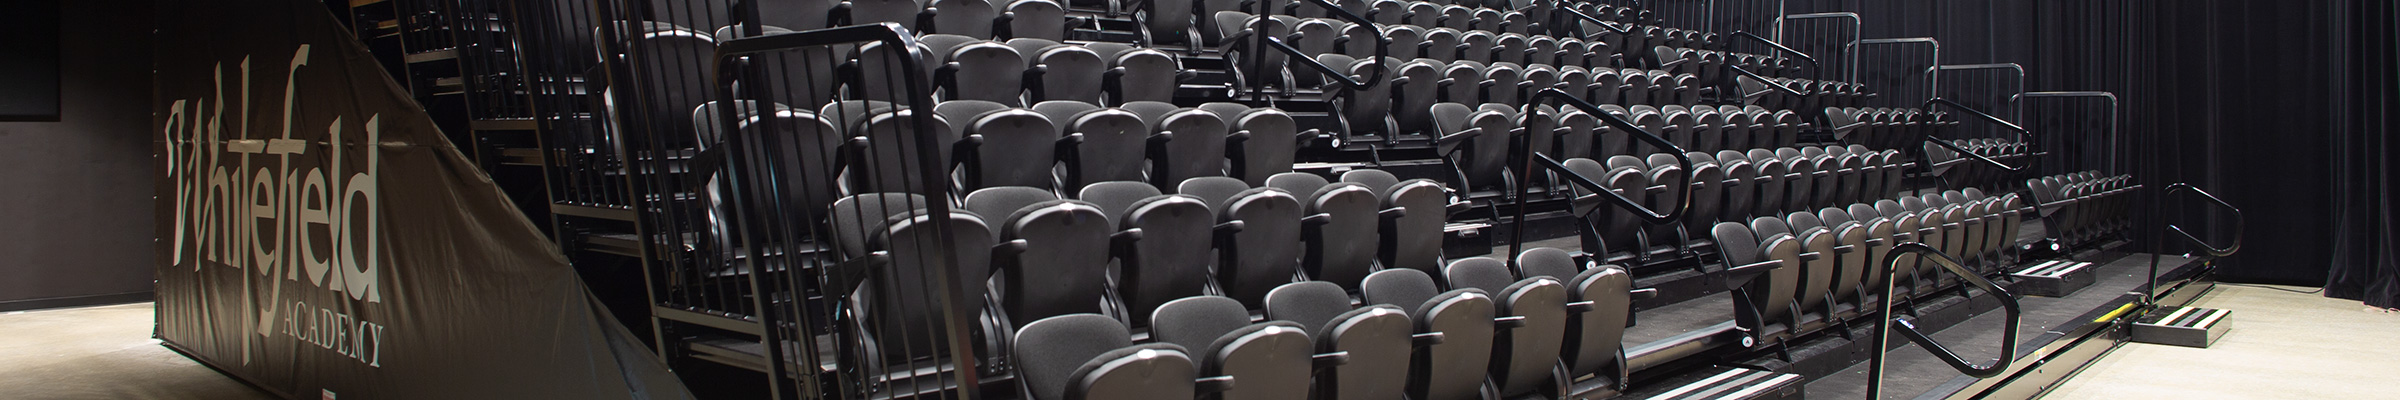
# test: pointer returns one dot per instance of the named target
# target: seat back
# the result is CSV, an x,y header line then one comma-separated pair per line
x,y
1173,258
1018,149
1271,146
1113,145
1266,252
1146,75
1038,19
1420,93
856,218
880,69
1486,157
809,149
1062,266
1070,72
1116,198
892,161
1343,250
903,12
965,17
904,324
1003,200
1213,190
795,14
1297,183
1197,149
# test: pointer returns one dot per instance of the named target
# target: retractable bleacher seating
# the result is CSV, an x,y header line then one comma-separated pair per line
x,y
1141,201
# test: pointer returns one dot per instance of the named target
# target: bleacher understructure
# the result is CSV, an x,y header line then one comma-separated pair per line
x,y
1246,199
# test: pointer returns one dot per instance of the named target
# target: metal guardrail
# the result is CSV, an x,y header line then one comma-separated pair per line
x,y
1816,69
1884,321
1258,65
1683,199
2158,245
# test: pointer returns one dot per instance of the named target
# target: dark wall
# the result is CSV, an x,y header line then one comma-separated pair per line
x,y
75,215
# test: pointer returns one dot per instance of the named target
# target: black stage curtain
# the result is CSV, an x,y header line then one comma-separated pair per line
x,y
2365,266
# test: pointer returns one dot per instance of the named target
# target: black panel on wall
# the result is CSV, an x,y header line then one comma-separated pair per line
x,y
29,61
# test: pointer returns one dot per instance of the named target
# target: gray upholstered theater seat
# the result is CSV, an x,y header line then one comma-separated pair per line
x,y
1462,318
1532,317
1376,339
1053,261
1172,257
1270,360
1600,306
1092,357
1762,305
1341,233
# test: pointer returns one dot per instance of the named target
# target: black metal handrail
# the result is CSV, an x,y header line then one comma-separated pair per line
x,y
1817,70
1971,155
2158,246
1336,76
952,292
1666,146
1764,81
1682,201
2211,250
1258,65
1884,320
1978,113
1611,25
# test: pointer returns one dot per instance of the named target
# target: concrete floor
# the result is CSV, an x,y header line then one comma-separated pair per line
x,y
102,352
2284,345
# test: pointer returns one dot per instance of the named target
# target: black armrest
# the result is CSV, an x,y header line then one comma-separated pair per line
x,y
1579,307
1009,248
1739,275
1126,237
1427,339
846,275
1213,384
1316,219
1393,213
1002,26
1845,249
1329,360
1509,322
1643,294
1449,143
1811,256
1033,81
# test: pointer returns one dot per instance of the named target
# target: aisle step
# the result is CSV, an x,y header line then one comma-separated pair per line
x,y
1727,383
2054,278
2183,326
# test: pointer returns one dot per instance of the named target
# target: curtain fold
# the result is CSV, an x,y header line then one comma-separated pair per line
x,y
2365,265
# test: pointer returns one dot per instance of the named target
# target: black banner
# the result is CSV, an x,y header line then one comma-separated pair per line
x,y
319,237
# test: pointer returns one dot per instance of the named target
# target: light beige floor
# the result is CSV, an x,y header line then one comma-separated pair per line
x,y
2283,345
102,352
